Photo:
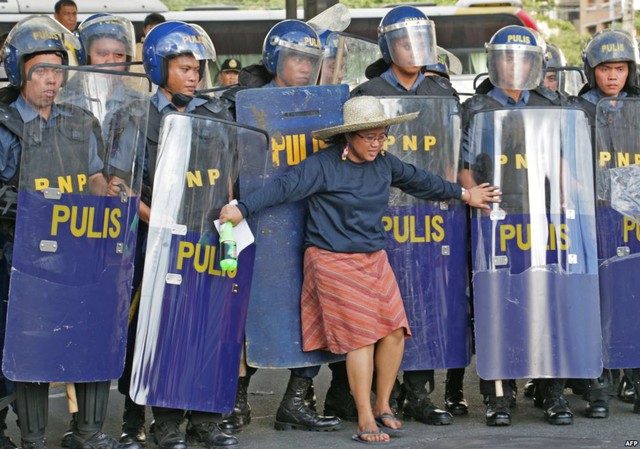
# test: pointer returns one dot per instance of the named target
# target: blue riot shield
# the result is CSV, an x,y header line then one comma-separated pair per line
x,y
289,115
79,185
426,240
535,277
617,211
192,312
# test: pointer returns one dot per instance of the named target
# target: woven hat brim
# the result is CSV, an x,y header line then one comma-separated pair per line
x,y
326,133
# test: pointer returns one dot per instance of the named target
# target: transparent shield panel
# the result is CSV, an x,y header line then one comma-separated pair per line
x,y
79,185
534,255
183,281
617,162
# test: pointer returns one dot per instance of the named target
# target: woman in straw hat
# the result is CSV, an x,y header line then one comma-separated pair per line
x,y
350,301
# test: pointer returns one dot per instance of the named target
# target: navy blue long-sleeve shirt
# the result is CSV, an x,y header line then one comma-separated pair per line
x,y
347,200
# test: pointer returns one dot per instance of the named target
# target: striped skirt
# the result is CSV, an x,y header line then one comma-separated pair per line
x,y
349,300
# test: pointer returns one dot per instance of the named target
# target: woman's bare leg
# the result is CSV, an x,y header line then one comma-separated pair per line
x,y
388,356
360,373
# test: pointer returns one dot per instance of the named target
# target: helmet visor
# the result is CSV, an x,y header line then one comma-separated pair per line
x,y
108,28
298,65
515,68
41,34
413,45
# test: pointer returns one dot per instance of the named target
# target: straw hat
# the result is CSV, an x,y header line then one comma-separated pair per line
x,y
362,113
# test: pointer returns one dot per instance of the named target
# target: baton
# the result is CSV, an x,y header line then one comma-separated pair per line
x,y
72,399
499,390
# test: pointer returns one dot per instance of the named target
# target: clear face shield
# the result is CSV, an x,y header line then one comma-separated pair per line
x,y
104,33
515,67
412,44
46,34
298,65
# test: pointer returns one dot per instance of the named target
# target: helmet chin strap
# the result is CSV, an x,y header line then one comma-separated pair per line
x,y
179,100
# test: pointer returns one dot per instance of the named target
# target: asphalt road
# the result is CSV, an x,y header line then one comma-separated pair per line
x,y
528,429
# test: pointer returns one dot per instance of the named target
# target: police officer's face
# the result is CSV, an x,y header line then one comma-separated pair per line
x,y
294,70
550,80
45,82
509,66
229,77
183,75
107,51
68,17
611,77
327,73
403,52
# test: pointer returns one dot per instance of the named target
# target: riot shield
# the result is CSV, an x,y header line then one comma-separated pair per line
x,y
426,240
535,279
75,236
192,313
617,210
348,58
289,115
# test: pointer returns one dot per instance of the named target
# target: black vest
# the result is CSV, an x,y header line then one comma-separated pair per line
x,y
65,147
436,86
213,108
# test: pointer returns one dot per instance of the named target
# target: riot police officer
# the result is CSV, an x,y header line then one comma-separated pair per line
x,y
291,57
514,60
109,39
406,38
610,59
34,40
174,56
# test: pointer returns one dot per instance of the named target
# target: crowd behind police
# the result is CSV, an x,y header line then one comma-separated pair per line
x,y
292,57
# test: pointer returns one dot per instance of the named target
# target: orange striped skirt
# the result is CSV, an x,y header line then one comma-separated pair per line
x,y
349,300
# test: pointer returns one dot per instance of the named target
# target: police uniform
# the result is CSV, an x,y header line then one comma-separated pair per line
x,y
607,46
202,426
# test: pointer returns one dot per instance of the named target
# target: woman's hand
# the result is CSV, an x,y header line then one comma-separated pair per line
x,y
482,194
230,213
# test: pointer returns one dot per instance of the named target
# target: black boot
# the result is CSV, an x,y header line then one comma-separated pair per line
x,y
132,423
417,405
556,408
339,401
529,389
167,433
209,435
93,398
241,415
635,380
310,399
599,391
68,434
32,405
498,413
626,391
293,412
454,400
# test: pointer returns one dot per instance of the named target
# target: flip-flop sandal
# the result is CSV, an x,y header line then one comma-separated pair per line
x,y
358,437
388,430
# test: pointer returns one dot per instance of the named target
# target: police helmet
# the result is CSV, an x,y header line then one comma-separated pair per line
x,y
515,57
33,35
610,46
169,40
109,26
554,57
412,26
292,38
